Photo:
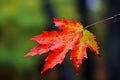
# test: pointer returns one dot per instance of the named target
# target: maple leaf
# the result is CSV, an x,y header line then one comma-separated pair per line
x,y
71,36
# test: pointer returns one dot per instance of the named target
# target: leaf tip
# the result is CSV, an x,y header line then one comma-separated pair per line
x,y
99,55
55,19
25,56
43,70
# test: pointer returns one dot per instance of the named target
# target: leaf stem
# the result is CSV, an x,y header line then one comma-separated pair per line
x,y
104,20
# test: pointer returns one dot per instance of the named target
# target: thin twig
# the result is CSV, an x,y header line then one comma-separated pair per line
x,y
104,20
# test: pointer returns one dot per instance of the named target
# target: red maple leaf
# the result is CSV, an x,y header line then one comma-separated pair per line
x,y
71,36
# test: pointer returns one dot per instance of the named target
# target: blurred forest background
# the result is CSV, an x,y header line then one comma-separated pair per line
x,y
20,20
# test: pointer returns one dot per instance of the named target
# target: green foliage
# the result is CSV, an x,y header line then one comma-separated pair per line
x,y
19,20
23,13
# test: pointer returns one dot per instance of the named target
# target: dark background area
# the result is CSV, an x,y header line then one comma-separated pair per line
x,y
21,20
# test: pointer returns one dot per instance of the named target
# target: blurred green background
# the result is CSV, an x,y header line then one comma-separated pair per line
x,y
20,20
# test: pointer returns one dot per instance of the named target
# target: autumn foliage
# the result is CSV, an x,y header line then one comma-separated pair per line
x,y
71,36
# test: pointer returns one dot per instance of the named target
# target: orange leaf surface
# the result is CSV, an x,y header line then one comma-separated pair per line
x,y
71,36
